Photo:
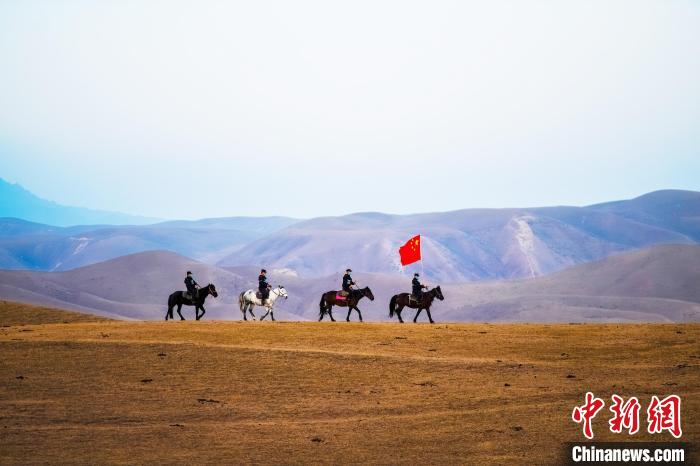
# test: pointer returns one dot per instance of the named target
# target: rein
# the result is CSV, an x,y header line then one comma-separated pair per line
x,y
276,291
208,292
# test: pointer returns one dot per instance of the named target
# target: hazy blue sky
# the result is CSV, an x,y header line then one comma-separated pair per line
x,y
173,109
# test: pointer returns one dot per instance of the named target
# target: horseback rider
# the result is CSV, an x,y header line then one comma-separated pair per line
x,y
192,286
263,286
347,283
417,292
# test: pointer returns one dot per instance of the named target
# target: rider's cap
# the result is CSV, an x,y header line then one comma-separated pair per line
x,y
348,270
416,275
263,271
189,273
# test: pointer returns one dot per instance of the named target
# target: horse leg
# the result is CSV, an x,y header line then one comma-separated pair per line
x,y
272,314
179,308
358,312
243,310
398,313
417,313
266,313
199,317
251,310
330,312
347,319
429,316
171,308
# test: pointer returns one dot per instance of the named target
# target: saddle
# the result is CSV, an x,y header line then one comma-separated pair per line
x,y
187,295
412,299
341,295
258,294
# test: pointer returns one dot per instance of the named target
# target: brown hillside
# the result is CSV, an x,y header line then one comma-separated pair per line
x,y
12,313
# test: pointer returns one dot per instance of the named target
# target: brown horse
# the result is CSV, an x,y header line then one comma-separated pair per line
x,y
328,300
404,300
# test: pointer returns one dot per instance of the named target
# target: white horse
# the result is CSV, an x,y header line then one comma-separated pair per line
x,y
248,300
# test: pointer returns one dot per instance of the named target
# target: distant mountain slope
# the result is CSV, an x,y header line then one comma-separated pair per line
x,y
678,210
15,201
477,244
26,245
666,271
136,286
132,286
656,284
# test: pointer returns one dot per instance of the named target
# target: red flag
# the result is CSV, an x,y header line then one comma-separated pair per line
x,y
410,252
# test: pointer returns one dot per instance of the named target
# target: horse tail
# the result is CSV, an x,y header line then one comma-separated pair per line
x,y
322,305
392,306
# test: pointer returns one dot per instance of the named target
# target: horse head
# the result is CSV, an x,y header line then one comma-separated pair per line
x,y
438,293
282,292
367,292
212,290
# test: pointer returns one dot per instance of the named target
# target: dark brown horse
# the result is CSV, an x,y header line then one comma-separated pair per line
x,y
404,300
179,298
329,299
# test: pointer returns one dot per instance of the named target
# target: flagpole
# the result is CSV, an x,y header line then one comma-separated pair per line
x,y
422,272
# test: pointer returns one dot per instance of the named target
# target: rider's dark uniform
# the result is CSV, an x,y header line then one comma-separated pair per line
x,y
417,289
263,287
347,283
191,285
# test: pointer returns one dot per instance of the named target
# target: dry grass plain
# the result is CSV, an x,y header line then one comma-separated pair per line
x,y
79,389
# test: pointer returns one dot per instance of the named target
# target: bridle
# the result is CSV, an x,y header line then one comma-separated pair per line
x,y
278,291
435,293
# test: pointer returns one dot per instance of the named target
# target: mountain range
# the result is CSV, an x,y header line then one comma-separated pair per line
x,y
458,246
480,244
17,202
26,245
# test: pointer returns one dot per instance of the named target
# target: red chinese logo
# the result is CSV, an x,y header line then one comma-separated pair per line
x,y
665,415
662,415
625,415
587,412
